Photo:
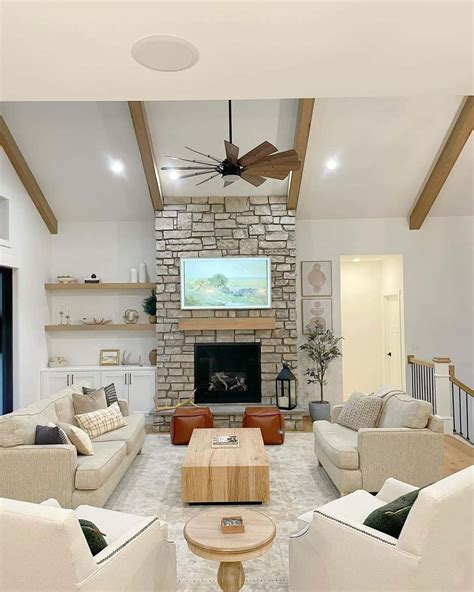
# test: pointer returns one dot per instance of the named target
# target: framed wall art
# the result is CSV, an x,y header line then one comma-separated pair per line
x,y
316,310
316,278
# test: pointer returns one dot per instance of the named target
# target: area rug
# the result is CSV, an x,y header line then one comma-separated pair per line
x,y
152,486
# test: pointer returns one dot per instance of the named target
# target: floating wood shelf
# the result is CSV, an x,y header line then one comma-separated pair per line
x,y
108,327
218,324
101,286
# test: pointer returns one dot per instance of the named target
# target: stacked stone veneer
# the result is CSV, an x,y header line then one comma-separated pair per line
x,y
222,227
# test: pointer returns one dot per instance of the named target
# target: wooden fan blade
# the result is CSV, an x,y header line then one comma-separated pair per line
x,y
263,149
231,152
279,157
270,174
252,179
291,166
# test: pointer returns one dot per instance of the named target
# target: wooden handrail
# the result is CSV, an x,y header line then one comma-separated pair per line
x,y
458,383
412,360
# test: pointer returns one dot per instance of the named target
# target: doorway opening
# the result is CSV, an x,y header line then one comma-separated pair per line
x,y
6,341
373,349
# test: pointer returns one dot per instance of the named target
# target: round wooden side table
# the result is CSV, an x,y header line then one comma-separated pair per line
x,y
205,538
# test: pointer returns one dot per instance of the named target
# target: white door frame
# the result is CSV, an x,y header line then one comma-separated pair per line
x,y
385,295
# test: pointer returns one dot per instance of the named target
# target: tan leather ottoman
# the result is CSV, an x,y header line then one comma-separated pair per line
x,y
186,419
270,421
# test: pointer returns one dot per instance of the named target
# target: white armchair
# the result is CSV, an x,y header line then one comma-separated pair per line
x,y
335,551
43,548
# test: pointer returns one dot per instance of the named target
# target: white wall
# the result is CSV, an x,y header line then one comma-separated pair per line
x,y
438,265
361,325
30,257
108,249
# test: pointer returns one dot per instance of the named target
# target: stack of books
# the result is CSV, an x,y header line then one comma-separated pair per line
x,y
225,442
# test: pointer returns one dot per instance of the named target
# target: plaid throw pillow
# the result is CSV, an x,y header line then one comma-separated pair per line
x,y
110,393
101,421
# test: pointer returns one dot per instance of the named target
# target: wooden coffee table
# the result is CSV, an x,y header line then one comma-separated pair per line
x,y
205,538
226,474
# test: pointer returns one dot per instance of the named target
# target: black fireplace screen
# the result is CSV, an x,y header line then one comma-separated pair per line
x,y
227,373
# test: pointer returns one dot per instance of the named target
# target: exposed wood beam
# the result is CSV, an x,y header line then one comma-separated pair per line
x,y
440,171
145,145
7,141
303,126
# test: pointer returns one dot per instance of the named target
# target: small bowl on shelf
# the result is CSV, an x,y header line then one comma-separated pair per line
x,y
66,279
95,321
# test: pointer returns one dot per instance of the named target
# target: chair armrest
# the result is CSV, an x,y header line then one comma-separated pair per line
x,y
123,406
335,411
36,473
142,559
336,554
393,488
413,456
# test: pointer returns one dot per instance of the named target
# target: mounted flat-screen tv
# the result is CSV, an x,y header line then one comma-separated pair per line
x,y
227,282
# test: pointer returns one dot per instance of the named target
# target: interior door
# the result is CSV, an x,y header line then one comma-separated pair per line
x,y
392,340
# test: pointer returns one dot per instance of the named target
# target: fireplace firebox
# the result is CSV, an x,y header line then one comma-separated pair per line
x,y
227,373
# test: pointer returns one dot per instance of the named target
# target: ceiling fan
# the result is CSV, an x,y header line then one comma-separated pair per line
x,y
264,161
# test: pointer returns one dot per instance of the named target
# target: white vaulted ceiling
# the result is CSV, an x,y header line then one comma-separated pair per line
x,y
384,148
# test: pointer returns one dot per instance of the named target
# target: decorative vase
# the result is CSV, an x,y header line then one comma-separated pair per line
x,y
134,275
152,319
142,272
152,356
319,411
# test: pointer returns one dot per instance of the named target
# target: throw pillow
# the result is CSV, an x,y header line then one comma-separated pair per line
x,y
110,393
101,421
10,433
78,438
95,539
88,402
49,435
391,518
360,411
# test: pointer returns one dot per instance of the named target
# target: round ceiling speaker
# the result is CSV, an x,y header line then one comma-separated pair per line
x,y
165,53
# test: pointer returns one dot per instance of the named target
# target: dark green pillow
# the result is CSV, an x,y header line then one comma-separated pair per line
x,y
95,538
391,517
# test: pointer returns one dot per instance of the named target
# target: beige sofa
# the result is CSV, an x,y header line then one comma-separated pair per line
x,y
34,473
364,459
334,550
42,549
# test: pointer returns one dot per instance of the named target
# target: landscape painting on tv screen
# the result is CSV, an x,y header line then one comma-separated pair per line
x,y
228,282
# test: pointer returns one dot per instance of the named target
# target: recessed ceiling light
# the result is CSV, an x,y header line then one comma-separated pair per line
x,y
165,53
117,167
331,164
356,259
174,175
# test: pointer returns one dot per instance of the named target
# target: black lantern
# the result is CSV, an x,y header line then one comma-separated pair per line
x,y
286,388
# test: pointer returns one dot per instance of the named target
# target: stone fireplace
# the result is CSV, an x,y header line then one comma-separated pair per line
x,y
223,227
227,373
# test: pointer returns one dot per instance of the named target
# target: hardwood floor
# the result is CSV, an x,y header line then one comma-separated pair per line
x,y
457,454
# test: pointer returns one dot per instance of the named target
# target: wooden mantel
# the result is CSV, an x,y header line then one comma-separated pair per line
x,y
226,324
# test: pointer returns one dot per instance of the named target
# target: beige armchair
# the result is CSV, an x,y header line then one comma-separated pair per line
x,y
42,548
364,459
335,551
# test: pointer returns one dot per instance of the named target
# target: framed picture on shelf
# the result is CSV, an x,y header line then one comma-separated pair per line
x,y
316,278
316,310
109,357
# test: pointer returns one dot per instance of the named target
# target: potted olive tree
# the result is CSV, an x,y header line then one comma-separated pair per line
x,y
322,347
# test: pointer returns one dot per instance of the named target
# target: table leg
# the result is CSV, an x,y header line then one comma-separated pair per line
x,y
230,576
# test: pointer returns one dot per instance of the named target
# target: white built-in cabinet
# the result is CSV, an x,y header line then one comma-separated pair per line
x,y
135,384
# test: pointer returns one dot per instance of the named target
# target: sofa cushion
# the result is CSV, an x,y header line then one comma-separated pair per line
x,y
63,404
101,421
28,418
338,443
402,411
360,411
128,434
93,471
88,402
